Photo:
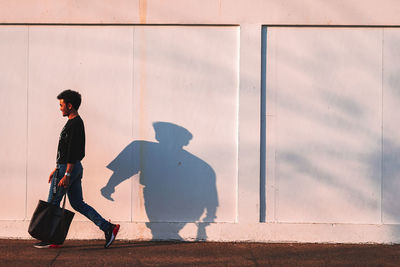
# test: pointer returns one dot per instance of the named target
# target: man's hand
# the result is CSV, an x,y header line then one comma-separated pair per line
x,y
51,175
64,182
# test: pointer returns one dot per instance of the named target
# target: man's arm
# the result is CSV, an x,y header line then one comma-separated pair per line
x,y
65,180
51,175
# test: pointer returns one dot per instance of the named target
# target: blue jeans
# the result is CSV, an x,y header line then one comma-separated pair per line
x,y
74,194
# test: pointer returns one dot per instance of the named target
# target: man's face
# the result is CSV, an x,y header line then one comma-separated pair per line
x,y
65,109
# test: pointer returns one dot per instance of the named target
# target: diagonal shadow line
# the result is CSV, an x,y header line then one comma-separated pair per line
x,y
55,258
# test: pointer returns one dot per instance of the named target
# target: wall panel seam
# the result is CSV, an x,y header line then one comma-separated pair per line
x,y
382,123
132,112
263,135
27,125
239,81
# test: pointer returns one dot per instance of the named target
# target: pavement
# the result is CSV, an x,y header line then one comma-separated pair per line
x,y
131,253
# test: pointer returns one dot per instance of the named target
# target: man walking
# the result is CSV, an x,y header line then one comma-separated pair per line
x,y
68,173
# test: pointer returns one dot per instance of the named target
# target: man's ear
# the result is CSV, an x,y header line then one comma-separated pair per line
x,y
69,105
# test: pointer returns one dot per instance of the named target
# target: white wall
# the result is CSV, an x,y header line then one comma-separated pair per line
x,y
270,12
13,133
82,58
330,120
188,76
129,78
294,134
324,93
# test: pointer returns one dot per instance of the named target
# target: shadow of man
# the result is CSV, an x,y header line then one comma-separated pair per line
x,y
178,186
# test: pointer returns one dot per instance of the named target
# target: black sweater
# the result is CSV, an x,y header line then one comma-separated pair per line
x,y
71,145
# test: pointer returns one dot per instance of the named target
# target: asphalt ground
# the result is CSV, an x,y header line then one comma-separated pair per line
x,y
129,253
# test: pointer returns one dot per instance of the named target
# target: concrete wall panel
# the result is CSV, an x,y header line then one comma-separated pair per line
x,y
186,77
327,118
97,61
13,133
249,126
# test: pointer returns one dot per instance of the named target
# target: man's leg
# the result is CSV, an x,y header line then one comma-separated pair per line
x,y
56,193
75,197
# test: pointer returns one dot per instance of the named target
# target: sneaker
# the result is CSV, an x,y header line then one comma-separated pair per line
x,y
110,234
43,244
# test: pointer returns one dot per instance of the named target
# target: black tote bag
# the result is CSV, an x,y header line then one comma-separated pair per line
x,y
50,223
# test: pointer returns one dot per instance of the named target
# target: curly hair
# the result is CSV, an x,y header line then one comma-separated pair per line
x,y
72,97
